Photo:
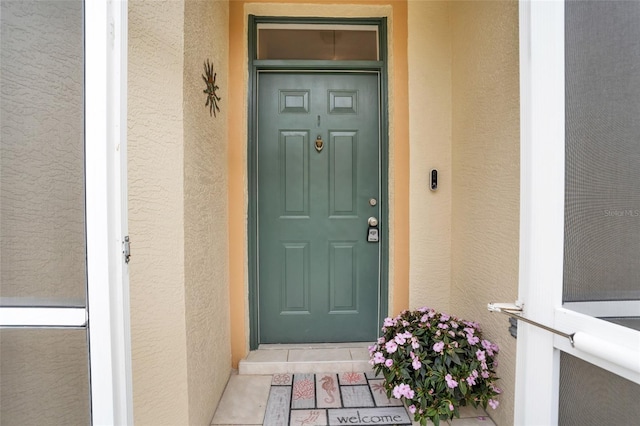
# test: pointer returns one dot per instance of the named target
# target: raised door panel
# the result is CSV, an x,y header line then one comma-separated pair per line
x,y
294,173
343,173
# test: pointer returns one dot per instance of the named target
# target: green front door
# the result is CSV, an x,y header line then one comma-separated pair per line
x,y
318,184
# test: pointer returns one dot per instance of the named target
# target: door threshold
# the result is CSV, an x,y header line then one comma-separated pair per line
x,y
271,346
307,358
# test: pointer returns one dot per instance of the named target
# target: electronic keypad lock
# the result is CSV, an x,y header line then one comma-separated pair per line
x,y
373,233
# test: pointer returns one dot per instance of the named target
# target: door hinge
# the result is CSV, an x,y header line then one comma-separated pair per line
x,y
126,249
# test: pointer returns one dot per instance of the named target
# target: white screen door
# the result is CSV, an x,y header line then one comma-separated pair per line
x,y
580,213
64,340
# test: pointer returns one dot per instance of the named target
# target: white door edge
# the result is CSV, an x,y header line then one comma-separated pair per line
x,y
541,207
107,294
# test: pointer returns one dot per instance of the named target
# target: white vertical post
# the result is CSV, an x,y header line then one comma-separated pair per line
x,y
118,228
541,206
105,126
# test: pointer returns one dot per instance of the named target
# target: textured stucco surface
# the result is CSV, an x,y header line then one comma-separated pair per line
x,y
177,211
464,121
42,247
430,135
205,210
156,212
485,171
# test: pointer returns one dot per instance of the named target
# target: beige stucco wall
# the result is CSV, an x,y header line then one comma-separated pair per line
x,y
464,121
205,203
485,169
430,145
177,196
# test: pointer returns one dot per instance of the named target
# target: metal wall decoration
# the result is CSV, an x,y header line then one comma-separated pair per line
x,y
209,78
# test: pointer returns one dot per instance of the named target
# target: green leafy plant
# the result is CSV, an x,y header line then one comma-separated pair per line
x,y
435,363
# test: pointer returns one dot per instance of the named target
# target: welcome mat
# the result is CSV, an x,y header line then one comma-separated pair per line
x,y
331,400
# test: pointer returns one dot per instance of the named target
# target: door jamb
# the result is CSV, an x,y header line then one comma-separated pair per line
x,y
255,66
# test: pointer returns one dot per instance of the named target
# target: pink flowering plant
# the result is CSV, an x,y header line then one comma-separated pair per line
x,y
436,363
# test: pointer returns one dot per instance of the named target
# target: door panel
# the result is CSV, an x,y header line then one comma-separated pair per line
x,y
318,166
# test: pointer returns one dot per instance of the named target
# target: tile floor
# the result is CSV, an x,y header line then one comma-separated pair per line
x,y
317,358
287,385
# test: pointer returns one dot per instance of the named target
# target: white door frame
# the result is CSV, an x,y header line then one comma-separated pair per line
x,y
107,270
542,162
106,316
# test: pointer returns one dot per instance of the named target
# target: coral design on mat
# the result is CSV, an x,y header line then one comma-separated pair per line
x,y
378,387
303,389
352,378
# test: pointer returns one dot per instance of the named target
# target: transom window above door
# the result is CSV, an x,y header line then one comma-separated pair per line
x,y
318,42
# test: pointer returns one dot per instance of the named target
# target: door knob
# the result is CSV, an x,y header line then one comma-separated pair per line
x,y
372,221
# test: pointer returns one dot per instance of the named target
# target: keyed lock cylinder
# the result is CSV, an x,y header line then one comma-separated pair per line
x,y
373,233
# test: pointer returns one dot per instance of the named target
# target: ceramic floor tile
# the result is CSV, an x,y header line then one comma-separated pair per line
x,y
268,356
474,421
360,354
301,355
244,401
466,412
318,367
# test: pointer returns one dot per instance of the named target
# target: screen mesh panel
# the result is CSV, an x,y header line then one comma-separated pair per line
x,y
42,194
44,377
602,199
591,396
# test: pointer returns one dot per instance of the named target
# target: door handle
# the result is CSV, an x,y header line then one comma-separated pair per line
x,y
373,234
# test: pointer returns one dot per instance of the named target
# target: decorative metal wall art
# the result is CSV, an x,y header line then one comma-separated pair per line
x,y
209,78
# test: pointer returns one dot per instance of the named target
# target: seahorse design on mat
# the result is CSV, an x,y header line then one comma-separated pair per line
x,y
329,385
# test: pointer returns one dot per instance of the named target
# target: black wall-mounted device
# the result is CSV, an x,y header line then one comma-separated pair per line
x,y
434,179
